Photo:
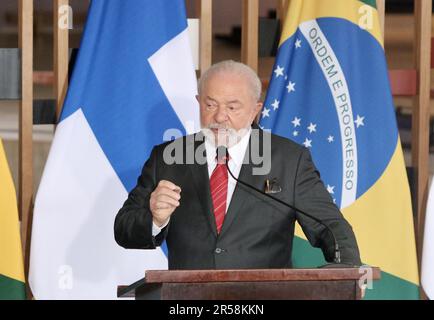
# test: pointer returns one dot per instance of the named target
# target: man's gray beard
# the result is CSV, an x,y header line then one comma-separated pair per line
x,y
227,138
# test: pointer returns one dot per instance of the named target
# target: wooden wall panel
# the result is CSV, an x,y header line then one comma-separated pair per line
x,y
250,30
205,34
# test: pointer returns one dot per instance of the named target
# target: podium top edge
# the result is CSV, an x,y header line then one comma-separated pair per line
x,y
243,275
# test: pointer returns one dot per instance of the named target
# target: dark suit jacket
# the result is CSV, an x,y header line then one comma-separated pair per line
x,y
257,232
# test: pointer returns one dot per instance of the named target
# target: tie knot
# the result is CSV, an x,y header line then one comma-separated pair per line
x,y
222,160
222,155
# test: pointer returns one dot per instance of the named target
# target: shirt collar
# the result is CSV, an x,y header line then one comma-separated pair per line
x,y
236,152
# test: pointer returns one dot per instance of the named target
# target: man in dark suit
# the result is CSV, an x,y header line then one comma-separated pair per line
x,y
208,219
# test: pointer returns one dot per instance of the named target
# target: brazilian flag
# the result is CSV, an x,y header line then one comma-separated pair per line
x,y
11,260
330,92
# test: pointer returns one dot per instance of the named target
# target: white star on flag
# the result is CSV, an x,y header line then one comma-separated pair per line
x,y
312,127
331,189
359,121
275,105
307,143
279,71
266,113
330,139
295,133
298,44
291,86
296,122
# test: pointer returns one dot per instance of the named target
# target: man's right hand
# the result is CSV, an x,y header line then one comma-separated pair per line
x,y
164,200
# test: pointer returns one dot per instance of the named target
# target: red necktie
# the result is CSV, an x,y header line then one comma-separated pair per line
x,y
219,192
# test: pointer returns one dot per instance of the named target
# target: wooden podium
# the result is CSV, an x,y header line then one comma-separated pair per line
x,y
261,284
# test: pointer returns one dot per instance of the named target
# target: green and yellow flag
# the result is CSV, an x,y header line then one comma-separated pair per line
x,y
11,258
330,92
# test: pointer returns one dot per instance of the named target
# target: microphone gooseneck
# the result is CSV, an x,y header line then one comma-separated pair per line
x,y
222,153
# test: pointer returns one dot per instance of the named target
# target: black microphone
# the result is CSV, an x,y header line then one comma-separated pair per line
x,y
223,154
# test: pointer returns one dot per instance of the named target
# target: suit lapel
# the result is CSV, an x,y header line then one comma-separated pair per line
x,y
200,176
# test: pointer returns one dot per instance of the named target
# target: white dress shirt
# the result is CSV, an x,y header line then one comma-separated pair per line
x,y
236,157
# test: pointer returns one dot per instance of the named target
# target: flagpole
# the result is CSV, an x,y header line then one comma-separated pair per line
x,y
25,199
61,21
282,9
381,9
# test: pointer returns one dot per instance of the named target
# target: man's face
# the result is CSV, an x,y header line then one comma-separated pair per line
x,y
227,106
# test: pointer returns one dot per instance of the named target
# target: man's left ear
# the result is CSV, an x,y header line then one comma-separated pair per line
x,y
258,108
257,111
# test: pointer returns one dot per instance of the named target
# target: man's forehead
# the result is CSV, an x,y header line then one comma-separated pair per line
x,y
230,87
225,100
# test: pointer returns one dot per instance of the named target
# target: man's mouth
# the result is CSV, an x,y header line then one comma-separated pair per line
x,y
219,130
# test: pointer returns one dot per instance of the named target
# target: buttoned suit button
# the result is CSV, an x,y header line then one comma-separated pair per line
x,y
218,250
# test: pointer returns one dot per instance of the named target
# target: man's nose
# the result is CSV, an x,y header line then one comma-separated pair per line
x,y
221,115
